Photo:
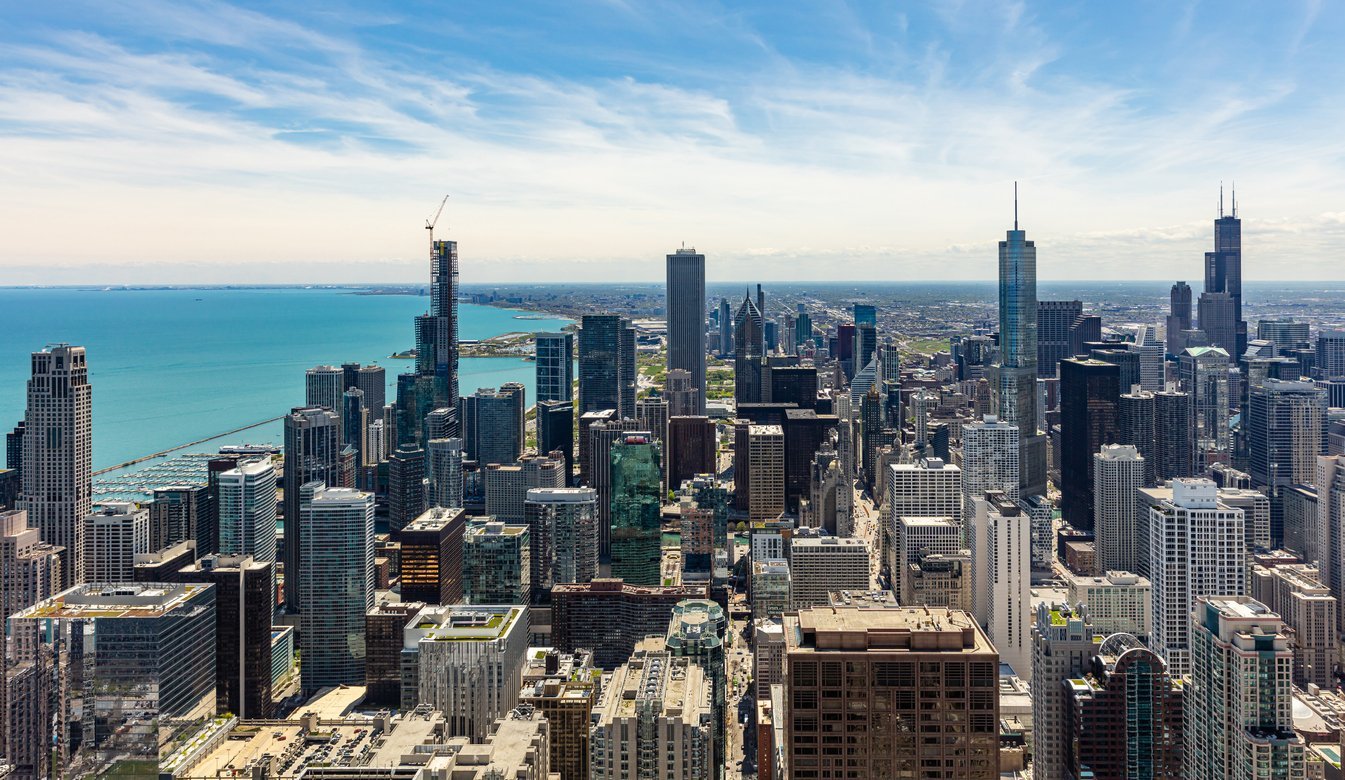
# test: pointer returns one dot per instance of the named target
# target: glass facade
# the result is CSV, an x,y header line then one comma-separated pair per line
x,y
636,501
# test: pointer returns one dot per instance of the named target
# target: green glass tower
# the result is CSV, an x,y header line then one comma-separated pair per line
x,y
636,501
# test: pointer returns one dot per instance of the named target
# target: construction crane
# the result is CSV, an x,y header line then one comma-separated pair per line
x,y
430,223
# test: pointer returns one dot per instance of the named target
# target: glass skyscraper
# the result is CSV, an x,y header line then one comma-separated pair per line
x,y
636,501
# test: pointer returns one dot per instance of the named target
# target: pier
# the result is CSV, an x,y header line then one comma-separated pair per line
x,y
170,450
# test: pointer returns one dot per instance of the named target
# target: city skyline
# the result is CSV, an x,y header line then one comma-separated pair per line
x,y
358,121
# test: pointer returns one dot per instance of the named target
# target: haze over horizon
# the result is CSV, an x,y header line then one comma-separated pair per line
x,y
206,142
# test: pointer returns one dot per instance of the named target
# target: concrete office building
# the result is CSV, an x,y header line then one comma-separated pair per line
x,y
57,458
685,306
691,447
652,415
337,550
766,471
113,535
607,372
496,566
1200,544
384,634
507,486
1239,702
1118,471
1001,540
927,488
1295,592
610,616
565,696
563,533
655,720
1118,601
769,587
938,580
1054,320
1179,316
555,366
820,565
884,664
466,662
1330,482
432,556
1063,645
680,394
324,386
1286,425
30,569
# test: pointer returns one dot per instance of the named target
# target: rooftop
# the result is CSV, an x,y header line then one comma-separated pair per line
x,y
909,629
461,623
120,600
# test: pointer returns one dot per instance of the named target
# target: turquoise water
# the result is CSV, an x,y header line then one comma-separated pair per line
x,y
172,366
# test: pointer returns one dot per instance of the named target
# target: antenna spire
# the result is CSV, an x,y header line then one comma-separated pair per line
x,y
1015,205
1221,200
1235,200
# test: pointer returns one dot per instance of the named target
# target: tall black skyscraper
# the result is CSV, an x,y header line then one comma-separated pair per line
x,y
607,372
1088,401
1223,274
749,351
1179,316
435,382
686,318
1174,449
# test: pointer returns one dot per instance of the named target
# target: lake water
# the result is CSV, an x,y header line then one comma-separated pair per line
x,y
172,366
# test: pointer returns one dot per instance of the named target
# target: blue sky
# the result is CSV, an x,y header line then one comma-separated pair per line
x,y
283,142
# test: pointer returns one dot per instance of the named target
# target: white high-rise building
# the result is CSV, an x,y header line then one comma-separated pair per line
x,y
1001,554
1063,648
1196,547
1118,601
989,461
1118,472
113,535
820,565
247,511
57,489
466,662
922,406
1239,702
1152,351
927,488
338,585
323,387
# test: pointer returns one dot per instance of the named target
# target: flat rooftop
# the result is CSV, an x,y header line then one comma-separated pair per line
x,y
120,600
462,623
911,629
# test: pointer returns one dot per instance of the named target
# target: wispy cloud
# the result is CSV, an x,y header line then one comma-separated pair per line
x,y
851,141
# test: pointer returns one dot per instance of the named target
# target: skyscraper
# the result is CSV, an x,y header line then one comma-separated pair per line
x,y
1118,472
243,600
1179,316
1195,548
1286,430
1204,376
686,318
1223,274
766,471
1239,701
1088,400
338,587
749,351
1000,536
636,535
57,488
865,661
607,372
1013,379
437,331
555,366
407,494
563,532
323,387
1054,320
1135,426
1173,448
1062,649
432,556
725,328
312,454
445,488
113,536
493,424
247,510
555,431
989,461
495,564
689,449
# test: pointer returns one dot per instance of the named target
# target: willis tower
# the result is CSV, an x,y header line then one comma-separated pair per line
x,y
1221,304
1013,378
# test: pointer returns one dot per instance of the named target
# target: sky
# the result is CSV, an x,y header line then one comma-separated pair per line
x,y
296,142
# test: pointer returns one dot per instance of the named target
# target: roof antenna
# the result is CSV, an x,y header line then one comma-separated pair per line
x,y
1235,200
1015,205
1221,200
